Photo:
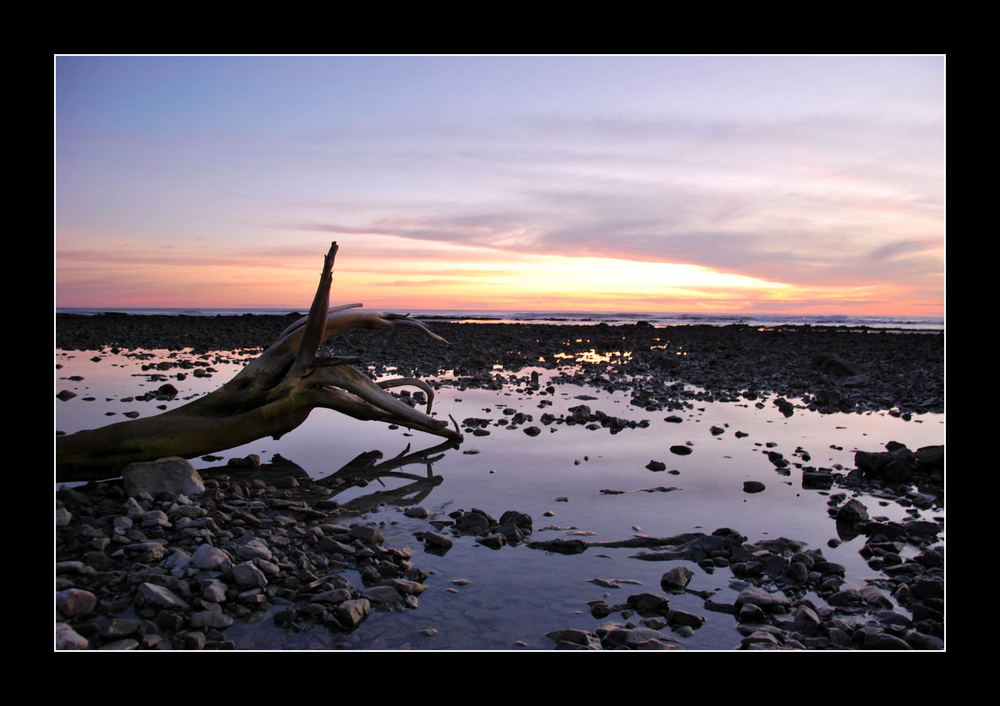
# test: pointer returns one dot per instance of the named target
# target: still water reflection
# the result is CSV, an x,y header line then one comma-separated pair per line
x,y
572,480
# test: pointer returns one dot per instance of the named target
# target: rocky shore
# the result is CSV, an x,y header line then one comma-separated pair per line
x,y
150,567
169,558
831,368
774,609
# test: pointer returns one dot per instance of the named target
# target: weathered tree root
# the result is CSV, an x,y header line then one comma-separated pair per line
x,y
271,396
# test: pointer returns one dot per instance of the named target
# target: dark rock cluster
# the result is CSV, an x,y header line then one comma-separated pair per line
x,y
512,528
832,369
773,609
173,571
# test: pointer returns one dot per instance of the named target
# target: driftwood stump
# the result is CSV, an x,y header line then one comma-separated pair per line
x,y
269,397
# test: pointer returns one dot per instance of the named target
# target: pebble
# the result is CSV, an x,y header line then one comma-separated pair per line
x,y
774,608
210,559
677,579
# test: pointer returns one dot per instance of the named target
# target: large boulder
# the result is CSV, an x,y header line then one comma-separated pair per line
x,y
852,511
898,463
172,475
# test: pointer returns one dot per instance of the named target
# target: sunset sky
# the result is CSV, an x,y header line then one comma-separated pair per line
x,y
784,184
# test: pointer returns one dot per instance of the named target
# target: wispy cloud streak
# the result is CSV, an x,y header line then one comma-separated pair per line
x,y
816,173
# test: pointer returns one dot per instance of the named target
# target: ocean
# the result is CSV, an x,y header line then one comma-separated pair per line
x,y
928,323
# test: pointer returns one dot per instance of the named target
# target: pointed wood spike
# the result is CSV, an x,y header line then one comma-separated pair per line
x,y
316,322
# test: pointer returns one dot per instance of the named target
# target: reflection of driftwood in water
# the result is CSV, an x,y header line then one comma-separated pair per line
x,y
299,492
365,468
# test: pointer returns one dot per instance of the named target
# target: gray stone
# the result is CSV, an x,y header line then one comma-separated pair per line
x,y
771,602
817,480
649,602
334,596
75,601
122,627
332,546
133,509
253,548
405,586
178,562
155,518
928,587
211,619
209,558
873,596
572,635
760,639
630,637
493,541
247,575
520,520
851,512
600,609
161,597
884,641
684,618
171,475
369,534
676,579
920,641
838,636
845,597
351,613
69,639
382,595
151,552
436,539
473,523
806,621
797,572
214,591
73,567
251,596
751,613
248,461
194,640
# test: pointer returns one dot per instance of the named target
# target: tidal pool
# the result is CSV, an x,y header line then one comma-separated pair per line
x,y
575,482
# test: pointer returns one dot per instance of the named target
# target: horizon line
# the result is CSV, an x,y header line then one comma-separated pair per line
x,y
528,310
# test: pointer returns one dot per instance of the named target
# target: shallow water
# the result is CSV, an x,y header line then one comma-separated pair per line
x,y
516,594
